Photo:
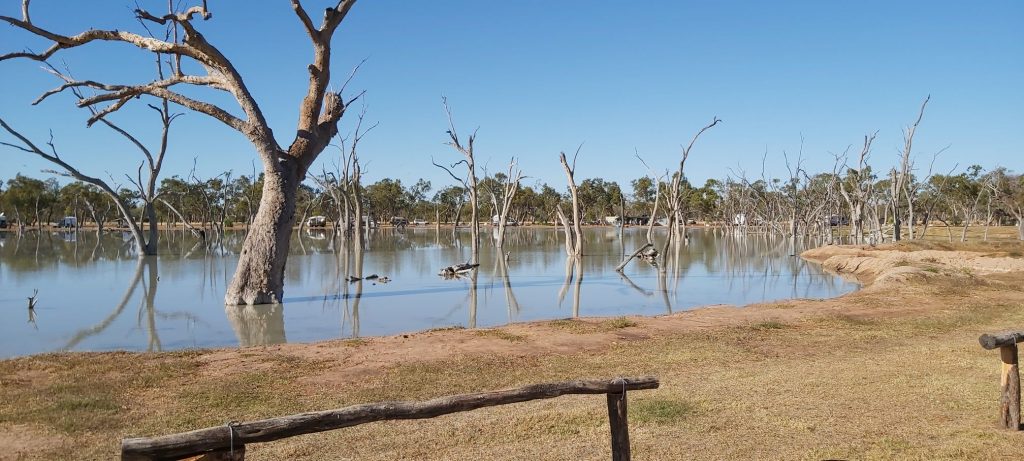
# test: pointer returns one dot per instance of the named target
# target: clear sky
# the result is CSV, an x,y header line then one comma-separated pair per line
x,y
539,77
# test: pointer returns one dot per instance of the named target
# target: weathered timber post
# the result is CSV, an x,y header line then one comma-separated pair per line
x,y
1009,384
1009,379
619,425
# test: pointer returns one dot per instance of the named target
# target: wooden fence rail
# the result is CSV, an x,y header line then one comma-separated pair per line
x,y
228,441
1009,381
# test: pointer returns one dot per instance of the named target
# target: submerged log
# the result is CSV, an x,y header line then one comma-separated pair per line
x,y
634,255
458,269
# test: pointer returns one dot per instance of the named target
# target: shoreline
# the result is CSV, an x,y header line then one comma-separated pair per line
x,y
912,299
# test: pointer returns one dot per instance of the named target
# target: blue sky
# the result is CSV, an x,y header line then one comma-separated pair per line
x,y
539,77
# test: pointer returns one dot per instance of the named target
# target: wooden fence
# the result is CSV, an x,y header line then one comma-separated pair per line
x,y
228,442
1009,381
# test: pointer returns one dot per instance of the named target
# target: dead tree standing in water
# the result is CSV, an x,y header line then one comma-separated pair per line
x,y
470,181
573,244
509,189
259,276
674,201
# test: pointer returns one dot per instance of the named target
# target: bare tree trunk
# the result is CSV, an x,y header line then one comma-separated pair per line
x,y
259,276
509,189
150,246
577,247
569,245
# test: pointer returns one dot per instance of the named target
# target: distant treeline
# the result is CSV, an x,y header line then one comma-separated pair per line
x,y
800,204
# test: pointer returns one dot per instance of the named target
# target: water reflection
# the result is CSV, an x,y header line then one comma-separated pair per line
x,y
257,325
89,284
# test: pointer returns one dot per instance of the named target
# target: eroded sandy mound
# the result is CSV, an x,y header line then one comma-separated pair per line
x,y
873,265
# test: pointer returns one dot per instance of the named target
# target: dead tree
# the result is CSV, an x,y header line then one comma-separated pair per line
x,y
259,276
674,201
144,246
900,181
354,184
509,189
647,251
146,243
857,188
573,245
1008,191
469,182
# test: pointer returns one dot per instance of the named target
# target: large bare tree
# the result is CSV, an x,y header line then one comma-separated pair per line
x,y
259,276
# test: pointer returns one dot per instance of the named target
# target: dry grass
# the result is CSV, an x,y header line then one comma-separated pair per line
x,y
874,383
500,334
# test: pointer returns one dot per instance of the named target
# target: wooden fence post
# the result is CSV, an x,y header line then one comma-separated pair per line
x,y
619,426
1009,381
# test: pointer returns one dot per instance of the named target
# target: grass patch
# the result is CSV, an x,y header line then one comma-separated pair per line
x,y
661,411
355,342
500,334
619,323
768,325
447,328
573,326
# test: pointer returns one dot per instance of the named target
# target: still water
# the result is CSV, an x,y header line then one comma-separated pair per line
x,y
95,295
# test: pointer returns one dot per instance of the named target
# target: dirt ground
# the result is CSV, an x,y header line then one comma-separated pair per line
x,y
893,370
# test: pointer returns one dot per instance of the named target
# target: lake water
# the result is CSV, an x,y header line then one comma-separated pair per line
x,y
95,295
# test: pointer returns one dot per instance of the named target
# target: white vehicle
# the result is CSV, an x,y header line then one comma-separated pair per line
x,y
419,222
68,221
508,222
3,221
316,221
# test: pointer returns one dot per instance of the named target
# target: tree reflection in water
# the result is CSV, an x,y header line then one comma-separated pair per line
x,y
573,272
261,325
717,267
147,314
